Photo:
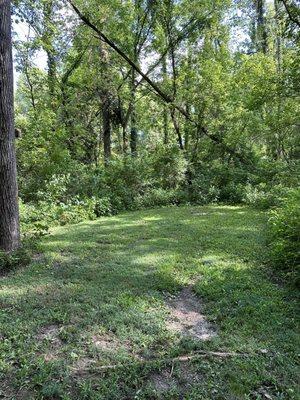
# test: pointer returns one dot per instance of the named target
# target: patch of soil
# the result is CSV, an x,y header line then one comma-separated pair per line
x,y
82,366
180,380
186,317
7,392
106,342
188,377
163,381
110,343
50,333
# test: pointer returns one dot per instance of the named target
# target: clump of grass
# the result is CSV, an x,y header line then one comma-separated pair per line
x,y
16,259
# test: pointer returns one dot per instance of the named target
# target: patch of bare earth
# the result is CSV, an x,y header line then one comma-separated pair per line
x,y
7,392
82,367
50,335
107,343
187,318
163,381
180,380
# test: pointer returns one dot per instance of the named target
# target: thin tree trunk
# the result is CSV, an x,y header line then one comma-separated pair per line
x,y
51,74
106,128
9,210
133,129
173,110
278,37
261,31
165,111
49,48
105,97
280,152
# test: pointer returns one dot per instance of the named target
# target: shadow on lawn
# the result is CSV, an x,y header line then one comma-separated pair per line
x,y
112,276
103,264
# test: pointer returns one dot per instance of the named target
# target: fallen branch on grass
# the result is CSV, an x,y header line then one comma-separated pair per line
x,y
183,358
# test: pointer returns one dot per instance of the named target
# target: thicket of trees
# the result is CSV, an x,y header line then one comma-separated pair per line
x,y
154,102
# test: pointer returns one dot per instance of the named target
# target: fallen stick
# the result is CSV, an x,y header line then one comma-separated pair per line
x,y
184,358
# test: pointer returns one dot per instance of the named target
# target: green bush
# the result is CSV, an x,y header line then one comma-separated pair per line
x,y
284,235
232,193
157,197
202,191
33,220
16,259
167,167
103,207
263,196
36,218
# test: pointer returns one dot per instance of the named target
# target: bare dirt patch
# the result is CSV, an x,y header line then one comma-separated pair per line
x,y
38,257
179,379
186,316
8,392
163,381
106,342
81,367
50,334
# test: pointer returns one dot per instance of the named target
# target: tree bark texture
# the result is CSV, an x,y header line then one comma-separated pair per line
x,y
9,210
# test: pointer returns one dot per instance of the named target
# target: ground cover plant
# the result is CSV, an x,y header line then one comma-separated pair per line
x,y
136,292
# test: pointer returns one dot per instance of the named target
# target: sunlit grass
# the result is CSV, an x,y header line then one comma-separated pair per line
x,y
111,277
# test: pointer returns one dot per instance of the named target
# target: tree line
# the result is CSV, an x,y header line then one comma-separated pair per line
x,y
212,83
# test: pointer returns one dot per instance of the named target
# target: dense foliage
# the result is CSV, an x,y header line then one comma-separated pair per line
x,y
285,236
98,139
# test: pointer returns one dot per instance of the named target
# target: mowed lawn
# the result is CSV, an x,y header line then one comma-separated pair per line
x,y
90,317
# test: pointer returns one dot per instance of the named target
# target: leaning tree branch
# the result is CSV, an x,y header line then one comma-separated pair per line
x,y
290,15
164,96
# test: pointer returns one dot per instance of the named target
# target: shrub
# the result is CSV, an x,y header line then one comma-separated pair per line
x,y
202,191
36,218
157,197
16,259
232,193
263,196
103,207
168,167
33,220
284,235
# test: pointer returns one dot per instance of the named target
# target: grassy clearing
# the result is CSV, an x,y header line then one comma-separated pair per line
x,y
97,295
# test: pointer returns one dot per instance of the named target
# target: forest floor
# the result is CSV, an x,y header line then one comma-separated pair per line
x,y
133,307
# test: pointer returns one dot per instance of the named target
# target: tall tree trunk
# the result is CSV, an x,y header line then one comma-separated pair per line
x,y
49,48
9,211
278,36
280,151
133,129
166,110
173,110
261,29
106,128
51,63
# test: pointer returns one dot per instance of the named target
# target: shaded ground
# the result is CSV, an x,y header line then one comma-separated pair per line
x,y
138,290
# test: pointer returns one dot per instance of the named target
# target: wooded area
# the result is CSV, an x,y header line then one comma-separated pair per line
x,y
116,106
176,101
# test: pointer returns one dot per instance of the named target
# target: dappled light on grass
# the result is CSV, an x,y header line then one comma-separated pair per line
x,y
101,295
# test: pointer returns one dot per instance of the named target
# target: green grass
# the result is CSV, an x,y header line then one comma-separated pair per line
x,y
108,280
